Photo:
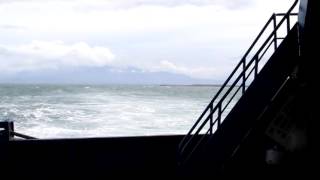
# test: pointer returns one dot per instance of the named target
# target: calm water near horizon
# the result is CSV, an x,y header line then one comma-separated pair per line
x,y
68,111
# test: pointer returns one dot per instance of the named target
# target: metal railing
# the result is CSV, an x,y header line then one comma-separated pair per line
x,y
239,79
7,132
23,136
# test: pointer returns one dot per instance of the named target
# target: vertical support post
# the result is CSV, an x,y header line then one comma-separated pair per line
x,y
211,118
219,115
244,76
5,130
288,23
274,30
256,62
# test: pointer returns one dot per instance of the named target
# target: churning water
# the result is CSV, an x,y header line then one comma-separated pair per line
x,y
68,111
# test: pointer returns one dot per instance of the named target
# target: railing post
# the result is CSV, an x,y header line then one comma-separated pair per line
x,y
288,24
219,115
6,129
244,76
275,32
211,118
256,62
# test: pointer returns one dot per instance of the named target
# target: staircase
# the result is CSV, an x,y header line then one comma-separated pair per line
x,y
258,77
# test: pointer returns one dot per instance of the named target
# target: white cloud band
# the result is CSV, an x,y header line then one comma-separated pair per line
x,y
135,3
194,72
52,55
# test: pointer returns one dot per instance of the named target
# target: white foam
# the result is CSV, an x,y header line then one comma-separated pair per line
x,y
105,110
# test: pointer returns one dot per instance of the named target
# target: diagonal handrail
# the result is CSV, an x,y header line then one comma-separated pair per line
x,y
189,143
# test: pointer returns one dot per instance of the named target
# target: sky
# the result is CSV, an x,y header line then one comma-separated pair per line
x,y
178,41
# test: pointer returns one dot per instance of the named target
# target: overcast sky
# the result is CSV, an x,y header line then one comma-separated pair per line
x,y
201,39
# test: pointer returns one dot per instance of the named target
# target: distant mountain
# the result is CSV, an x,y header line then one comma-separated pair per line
x,y
101,75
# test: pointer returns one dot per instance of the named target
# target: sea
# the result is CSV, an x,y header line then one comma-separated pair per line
x,y
75,111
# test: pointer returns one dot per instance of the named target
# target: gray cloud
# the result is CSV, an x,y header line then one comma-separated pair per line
x,y
226,3
11,27
39,55
118,4
100,5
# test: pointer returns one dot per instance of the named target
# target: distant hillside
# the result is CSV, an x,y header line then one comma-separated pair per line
x,y
103,75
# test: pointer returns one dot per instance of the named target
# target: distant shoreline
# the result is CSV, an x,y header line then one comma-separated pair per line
x,y
195,85
92,84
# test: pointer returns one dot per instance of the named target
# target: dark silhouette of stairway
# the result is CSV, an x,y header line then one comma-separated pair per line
x,y
215,144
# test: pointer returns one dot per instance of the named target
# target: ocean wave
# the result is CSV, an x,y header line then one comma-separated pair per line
x,y
98,111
